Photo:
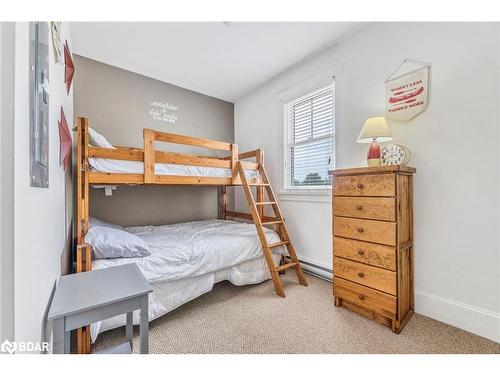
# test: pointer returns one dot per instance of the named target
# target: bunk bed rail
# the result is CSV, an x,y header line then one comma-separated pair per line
x,y
150,156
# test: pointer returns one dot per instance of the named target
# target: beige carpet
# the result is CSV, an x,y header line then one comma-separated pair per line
x,y
252,319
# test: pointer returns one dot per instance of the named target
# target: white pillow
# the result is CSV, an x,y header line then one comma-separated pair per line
x,y
93,222
115,243
98,140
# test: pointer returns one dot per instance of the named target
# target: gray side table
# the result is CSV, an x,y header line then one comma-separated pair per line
x,y
84,298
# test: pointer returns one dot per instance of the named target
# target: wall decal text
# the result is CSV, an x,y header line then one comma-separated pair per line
x,y
163,112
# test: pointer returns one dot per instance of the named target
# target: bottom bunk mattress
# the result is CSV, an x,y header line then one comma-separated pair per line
x,y
187,259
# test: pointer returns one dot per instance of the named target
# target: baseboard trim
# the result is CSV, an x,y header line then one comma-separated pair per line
x,y
470,318
482,322
315,269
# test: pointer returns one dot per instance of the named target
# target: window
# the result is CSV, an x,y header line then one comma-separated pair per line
x,y
309,130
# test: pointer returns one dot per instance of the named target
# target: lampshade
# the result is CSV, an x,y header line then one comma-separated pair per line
x,y
375,128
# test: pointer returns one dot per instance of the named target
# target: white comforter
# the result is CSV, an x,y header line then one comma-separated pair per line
x,y
185,250
188,258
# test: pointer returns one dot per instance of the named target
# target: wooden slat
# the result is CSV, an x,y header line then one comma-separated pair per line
x,y
135,154
244,215
286,266
138,179
192,180
248,165
234,160
281,243
187,159
116,154
85,175
115,178
191,141
272,222
79,182
246,155
222,202
149,156
249,154
260,190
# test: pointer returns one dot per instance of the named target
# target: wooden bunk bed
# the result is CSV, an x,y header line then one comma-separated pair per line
x,y
236,162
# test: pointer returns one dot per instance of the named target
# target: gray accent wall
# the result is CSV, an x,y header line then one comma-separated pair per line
x,y
118,104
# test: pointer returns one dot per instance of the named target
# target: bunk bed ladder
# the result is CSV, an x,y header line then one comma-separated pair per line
x,y
260,220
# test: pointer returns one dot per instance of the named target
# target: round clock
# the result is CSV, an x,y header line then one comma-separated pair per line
x,y
394,154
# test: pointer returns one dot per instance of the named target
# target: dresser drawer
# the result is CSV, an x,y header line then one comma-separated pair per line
x,y
374,277
365,208
381,185
365,297
382,232
365,252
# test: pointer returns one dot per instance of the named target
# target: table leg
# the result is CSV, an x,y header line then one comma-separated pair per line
x,y
58,339
67,341
144,325
129,329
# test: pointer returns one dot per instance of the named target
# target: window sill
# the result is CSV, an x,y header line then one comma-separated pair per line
x,y
322,196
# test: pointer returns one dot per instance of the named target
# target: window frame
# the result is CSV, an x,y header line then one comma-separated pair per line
x,y
287,187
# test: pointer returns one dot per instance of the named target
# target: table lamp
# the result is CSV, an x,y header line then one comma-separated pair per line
x,y
375,130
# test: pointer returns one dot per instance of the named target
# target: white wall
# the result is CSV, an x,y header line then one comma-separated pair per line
x,y
40,227
454,146
6,181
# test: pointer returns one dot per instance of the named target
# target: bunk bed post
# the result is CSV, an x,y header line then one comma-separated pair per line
x,y
83,254
222,200
234,162
149,156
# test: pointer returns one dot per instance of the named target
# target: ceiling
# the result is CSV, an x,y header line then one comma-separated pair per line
x,y
226,60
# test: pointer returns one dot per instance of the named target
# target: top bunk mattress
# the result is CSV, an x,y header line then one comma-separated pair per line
x,y
185,250
137,167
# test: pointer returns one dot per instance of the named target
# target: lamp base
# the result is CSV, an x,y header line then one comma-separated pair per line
x,y
373,157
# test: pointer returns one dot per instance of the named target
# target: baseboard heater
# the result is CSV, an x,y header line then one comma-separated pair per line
x,y
315,269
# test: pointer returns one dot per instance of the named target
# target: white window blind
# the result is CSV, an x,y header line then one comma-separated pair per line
x,y
309,129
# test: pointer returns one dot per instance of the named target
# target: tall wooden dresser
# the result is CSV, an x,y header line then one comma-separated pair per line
x,y
373,242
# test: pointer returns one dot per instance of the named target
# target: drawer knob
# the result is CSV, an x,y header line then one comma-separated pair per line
x,y
361,230
361,274
360,186
361,297
359,208
361,252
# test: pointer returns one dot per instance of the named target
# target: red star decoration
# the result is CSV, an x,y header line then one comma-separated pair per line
x,y
69,69
64,140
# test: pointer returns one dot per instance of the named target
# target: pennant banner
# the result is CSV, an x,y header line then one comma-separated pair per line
x,y
65,141
407,95
69,69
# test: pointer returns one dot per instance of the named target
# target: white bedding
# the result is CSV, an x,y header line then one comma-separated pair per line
x,y
188,258
137,167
